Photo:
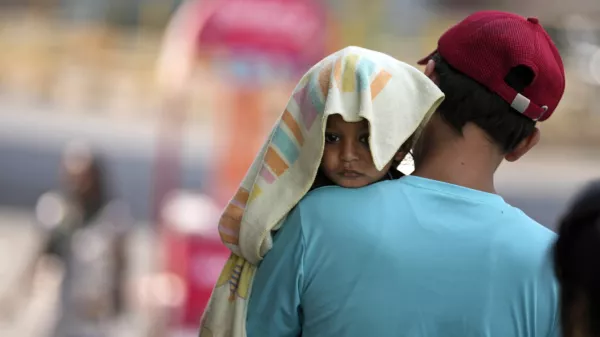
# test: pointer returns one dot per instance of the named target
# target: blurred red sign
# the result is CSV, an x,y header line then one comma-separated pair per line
x,y
197,261
293,30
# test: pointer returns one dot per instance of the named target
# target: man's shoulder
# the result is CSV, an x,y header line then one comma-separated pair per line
x,y
329,202
329,193
528,229
525,242
329,197
337,206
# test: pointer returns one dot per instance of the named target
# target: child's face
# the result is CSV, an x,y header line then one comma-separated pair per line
x,y
347,159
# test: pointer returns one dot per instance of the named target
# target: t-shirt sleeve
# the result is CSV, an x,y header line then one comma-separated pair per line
x,y
274,305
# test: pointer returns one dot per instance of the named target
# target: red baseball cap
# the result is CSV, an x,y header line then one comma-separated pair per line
x,y
488,44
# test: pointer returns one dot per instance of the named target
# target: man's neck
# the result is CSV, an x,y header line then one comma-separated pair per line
x,y
460,173
468,161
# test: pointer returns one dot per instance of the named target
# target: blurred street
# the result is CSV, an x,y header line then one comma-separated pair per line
x,y
170,119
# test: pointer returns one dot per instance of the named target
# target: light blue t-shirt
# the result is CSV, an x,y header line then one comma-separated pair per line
x,y
406,258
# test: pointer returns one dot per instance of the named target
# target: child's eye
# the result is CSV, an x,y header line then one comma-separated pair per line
x,y
364,139
331,138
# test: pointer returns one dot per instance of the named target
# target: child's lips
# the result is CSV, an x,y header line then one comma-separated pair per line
x,y
351,174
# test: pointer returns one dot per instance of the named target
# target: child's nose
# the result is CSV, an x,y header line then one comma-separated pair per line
x,y
349,152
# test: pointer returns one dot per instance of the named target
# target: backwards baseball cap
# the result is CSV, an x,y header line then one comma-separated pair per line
x,y
488,44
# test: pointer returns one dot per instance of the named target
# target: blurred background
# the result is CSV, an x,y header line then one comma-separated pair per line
x,y
125,126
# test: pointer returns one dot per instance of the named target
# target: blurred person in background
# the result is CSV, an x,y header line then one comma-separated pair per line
x,y
86,231
577,264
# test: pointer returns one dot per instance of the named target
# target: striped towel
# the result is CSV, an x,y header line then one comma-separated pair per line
x,y
357,83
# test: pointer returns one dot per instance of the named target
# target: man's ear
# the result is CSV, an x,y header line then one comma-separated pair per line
x,y
430,71
524,146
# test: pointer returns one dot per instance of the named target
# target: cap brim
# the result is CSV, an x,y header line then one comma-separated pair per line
x,y
426,59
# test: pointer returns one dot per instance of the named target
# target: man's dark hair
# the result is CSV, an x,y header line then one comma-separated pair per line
x,y
468,101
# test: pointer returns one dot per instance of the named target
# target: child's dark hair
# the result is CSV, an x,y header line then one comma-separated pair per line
x,y
468,101
577,264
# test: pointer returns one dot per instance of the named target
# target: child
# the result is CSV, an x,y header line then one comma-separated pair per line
x,y
349,122
347,160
